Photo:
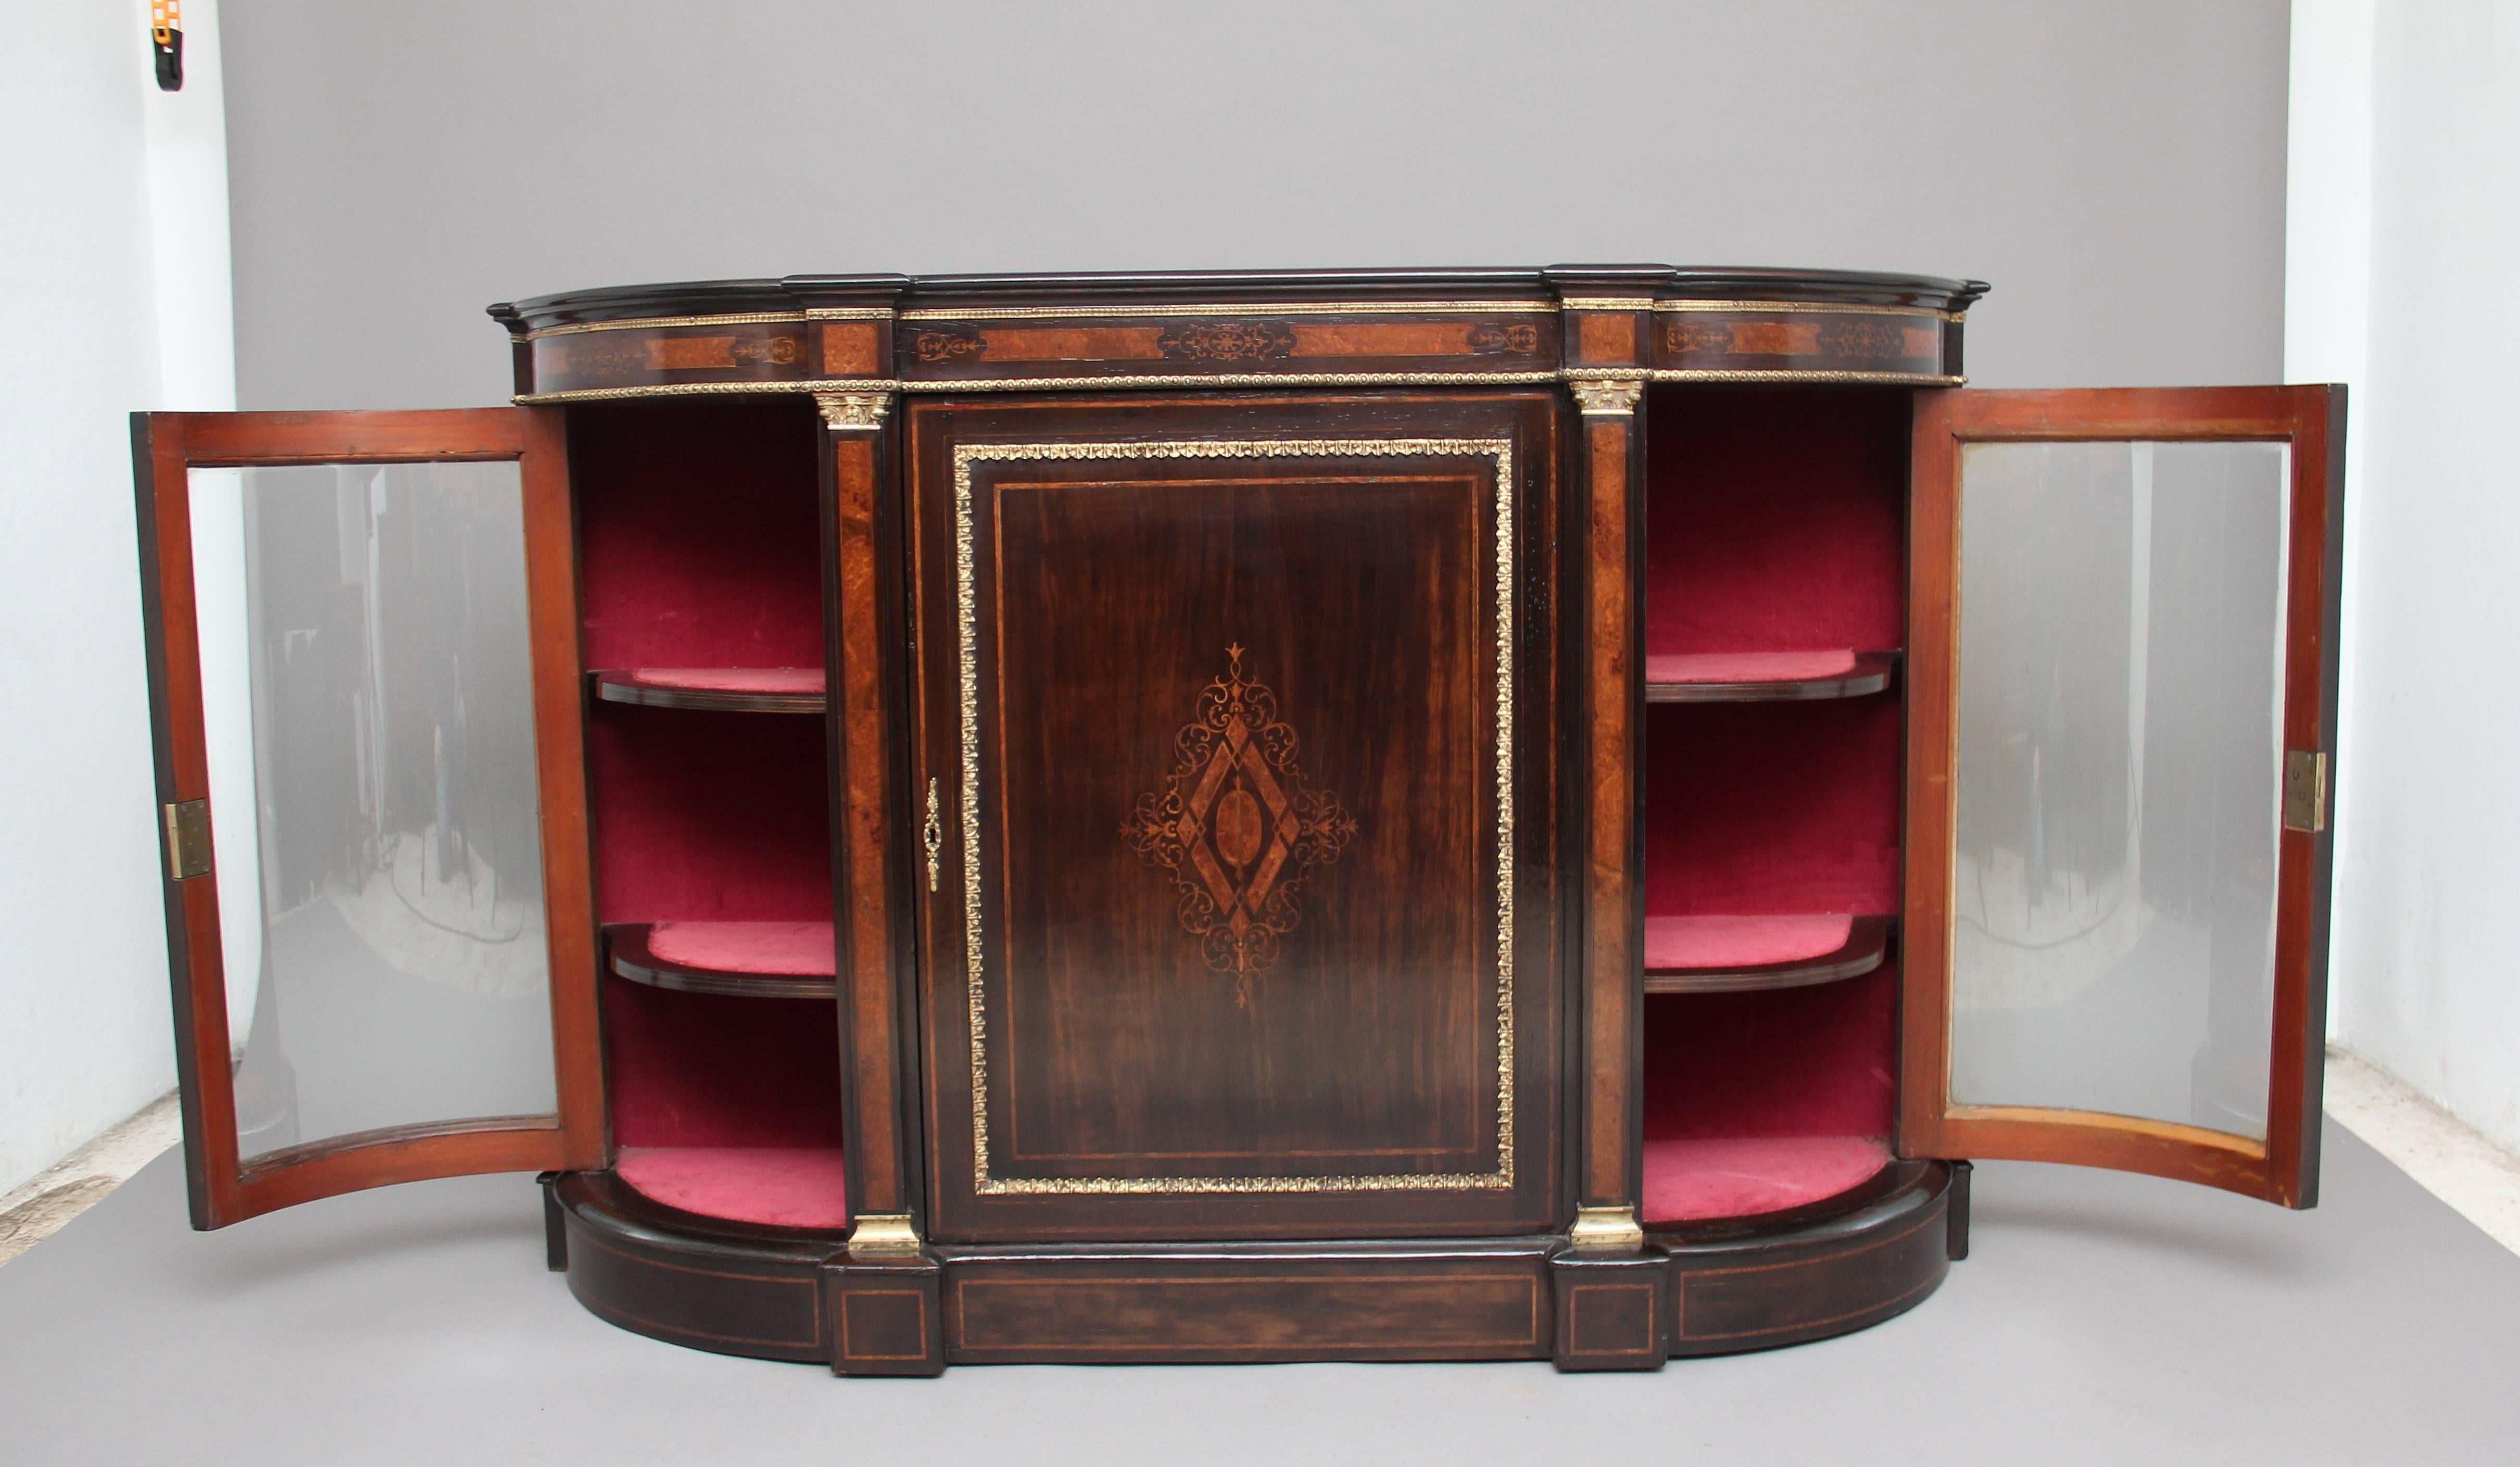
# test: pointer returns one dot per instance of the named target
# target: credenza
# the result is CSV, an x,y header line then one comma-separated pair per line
x,y
1471,814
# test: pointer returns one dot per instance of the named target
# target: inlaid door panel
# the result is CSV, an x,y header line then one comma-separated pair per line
x,y
1236,722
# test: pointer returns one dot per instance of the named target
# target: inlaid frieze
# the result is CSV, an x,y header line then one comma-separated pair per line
x,y
634,356
1329,339
1727,338
1027,334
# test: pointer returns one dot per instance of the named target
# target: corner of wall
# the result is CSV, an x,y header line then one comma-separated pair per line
x,y
2404,171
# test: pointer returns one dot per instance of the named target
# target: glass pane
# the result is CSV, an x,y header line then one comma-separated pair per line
x,y
2121,695
368,698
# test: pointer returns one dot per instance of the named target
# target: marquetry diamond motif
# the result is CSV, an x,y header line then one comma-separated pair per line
x,y
1238,826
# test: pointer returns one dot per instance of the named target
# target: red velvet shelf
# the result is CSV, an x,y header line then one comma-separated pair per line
x,y
1706,954
725,690
738,959
783,1186
1695,1179
1766,676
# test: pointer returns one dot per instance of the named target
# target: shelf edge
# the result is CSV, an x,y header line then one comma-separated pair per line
x,y
626,954
1870,674
1866,947
611,688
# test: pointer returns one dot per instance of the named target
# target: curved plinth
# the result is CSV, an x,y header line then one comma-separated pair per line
x,y
1830,1268
734,1287
1719,1287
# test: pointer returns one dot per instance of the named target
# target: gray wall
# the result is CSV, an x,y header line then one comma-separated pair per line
x,y
2115,168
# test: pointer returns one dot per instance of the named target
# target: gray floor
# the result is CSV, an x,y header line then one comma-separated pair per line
x,y
2104,1318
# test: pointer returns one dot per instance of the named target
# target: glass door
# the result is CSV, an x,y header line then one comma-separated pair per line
x,y
364,675
2122,715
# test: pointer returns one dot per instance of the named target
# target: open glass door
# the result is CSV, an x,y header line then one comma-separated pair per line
x,y
363,648
2122,655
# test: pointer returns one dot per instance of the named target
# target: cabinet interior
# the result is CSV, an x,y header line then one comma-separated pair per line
x,y
1774,554
702,567
1774,564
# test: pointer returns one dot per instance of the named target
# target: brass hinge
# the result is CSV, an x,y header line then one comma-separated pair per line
x,y
188,839
2305,793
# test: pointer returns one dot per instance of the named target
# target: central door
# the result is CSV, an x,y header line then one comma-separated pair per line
x,y
1235,728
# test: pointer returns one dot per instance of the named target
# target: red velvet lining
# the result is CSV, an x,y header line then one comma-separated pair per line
x,y
1748,666
699,536
783,947
784,1186
1776,546
696,1070
1756,809
1787,810
1745,1069
731,679
1712,941
708,817
727,1107
699,533
1688,1179
1774,517
1779,1061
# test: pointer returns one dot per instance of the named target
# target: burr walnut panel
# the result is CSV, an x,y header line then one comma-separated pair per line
x,y
853,349
1605,338
1763,338
735,349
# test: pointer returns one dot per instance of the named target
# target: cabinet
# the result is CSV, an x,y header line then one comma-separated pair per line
x,y
1462,815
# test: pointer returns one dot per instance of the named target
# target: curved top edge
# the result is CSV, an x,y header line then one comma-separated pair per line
x,y
1850,287
1106,289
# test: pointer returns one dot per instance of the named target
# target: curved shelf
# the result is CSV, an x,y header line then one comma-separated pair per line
x,y
1765,677
769,1186
722,690
1696,1180
630,952
1866,947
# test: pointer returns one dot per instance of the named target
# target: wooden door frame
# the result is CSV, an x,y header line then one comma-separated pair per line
x,y
2284,1168
166,447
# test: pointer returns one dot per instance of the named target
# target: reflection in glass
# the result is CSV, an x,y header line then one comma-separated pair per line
x,y
2120,711
368,706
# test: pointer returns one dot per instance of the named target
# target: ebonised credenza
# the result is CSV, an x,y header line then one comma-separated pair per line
x,y
1348,814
